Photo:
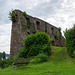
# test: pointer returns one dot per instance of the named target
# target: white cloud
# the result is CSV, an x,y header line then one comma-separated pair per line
x,y
64,17
5,33
5,43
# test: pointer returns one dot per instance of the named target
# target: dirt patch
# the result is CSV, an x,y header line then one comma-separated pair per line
x,y
60,54
52,72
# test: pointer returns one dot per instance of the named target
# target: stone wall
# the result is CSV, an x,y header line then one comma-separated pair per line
x,y
23,27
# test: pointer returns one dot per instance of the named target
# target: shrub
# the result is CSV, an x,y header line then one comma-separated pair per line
x,y
6,63
2,64
70,41
25,14
12,16
22,53
34,31
39,58
35,44
15,57
9,62
46,48
29,25
55,35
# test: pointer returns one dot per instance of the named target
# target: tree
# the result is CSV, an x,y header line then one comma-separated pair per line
x,y
35,44
0,56
4,55
70,41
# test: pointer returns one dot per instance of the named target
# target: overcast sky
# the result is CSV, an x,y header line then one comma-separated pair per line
x,y
60,13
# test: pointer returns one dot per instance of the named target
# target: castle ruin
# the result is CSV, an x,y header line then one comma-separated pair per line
x,y
24,26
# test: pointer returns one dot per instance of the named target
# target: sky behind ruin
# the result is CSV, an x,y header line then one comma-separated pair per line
x,y
60,13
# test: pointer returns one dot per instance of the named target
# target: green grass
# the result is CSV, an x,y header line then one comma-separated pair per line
x,y
56,66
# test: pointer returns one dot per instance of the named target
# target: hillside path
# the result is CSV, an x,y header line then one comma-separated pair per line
x,y
61,54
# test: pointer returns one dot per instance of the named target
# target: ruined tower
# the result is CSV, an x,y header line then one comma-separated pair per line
x,y
24,26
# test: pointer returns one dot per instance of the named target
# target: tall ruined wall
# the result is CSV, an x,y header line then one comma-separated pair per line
x,y
23,27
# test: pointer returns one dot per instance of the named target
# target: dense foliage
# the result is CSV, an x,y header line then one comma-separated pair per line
x,y
12,16
70,41
5,63
25,14
35,44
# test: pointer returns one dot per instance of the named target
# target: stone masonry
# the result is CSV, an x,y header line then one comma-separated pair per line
x,y
23,27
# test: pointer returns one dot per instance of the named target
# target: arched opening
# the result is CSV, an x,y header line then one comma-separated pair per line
x,y
45,28
28,21
38,24
52,30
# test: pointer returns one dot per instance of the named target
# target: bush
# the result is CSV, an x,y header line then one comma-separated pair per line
x,y
25,14
12,16
6,63
35,44
39,58
22,53
70,41
29,25
34,31
9,62
2,64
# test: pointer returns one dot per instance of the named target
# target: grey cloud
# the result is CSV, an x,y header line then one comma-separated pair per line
x,y
46,9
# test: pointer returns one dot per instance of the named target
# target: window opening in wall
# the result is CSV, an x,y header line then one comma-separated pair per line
x,y
56,35
28,32
52,30
45,28
28,21
38,24
52,42
16,15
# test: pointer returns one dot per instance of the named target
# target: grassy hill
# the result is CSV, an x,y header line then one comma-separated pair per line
x,y
59,64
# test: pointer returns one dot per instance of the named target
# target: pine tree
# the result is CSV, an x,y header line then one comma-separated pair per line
x,y
4,55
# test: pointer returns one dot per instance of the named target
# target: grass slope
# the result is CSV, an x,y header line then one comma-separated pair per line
x,y
57,66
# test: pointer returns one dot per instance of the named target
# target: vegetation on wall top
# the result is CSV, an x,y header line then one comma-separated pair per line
x,y
25,14
12,15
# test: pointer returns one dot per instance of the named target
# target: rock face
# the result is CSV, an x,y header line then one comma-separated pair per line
x,y
23,26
